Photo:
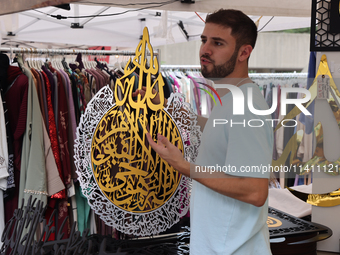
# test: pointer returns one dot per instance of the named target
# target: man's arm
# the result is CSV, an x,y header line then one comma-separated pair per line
x,y
249,190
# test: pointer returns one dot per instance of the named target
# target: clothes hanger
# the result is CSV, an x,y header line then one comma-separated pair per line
x,y
85,61
60,65
28,60
117,65
46,60
98,64
40,64
51,62
56,61
89,62
64,63
105,63
34,63
61,62
31,61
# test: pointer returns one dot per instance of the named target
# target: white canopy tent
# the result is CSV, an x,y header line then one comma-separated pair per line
x,y
123,29
290,8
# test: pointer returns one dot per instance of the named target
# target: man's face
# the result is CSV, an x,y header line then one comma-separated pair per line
x,y
218,53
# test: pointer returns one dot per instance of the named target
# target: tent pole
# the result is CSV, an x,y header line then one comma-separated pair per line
x,y
69,52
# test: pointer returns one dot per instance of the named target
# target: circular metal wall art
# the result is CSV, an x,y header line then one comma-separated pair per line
x,y
126,183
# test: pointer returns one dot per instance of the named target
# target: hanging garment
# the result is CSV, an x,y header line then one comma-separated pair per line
x,y
4,64
53,135
63,132
33,168
52,86
62,126
72,122
83,210
40,93
16,99
53,180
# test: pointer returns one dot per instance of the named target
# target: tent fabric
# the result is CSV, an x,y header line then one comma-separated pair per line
x,y
290,8
10,6
124,30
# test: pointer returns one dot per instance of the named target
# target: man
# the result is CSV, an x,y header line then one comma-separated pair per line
x,y
228,210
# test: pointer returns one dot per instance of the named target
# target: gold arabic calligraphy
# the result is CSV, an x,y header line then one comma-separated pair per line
x,y
129,173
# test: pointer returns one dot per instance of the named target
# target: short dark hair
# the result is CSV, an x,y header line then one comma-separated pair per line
x,y
242,27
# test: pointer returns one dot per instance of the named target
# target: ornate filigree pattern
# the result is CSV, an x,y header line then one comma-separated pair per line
x,y
143,223
126,183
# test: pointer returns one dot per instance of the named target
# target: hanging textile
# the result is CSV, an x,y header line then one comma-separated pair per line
x,y
16,101
32,170
45,102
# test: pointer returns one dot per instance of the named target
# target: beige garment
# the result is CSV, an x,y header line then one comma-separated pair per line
x,y
284,200
32,169
53,181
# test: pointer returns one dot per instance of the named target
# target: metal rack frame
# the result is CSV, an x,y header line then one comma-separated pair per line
x,y
70,51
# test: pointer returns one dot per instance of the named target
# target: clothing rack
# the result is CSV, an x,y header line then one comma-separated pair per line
x,y
251,75
70,51
278,75
180,67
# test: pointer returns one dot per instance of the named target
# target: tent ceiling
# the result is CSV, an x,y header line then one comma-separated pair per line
x,y
12,6
290,8
123,30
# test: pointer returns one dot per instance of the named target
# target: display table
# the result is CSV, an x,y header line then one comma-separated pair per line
x,y
294,236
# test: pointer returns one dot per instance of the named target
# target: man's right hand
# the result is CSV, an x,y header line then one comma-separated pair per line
x,y
155,100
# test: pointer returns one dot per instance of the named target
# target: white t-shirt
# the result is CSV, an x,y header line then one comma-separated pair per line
x,y
220,224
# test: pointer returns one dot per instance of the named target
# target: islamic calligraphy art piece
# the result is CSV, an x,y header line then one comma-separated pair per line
x,y
126,183
318,162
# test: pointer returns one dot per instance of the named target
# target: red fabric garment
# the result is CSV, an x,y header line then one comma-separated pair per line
x,y
63,126
53,134
61,207
60,196
63,213
12,73
16,99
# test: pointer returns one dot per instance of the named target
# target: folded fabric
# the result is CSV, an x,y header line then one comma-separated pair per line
x,y
284,200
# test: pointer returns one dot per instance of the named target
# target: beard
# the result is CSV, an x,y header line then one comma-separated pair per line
x,y
220,71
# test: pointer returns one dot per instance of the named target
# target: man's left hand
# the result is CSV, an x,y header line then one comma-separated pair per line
x,y
167,151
